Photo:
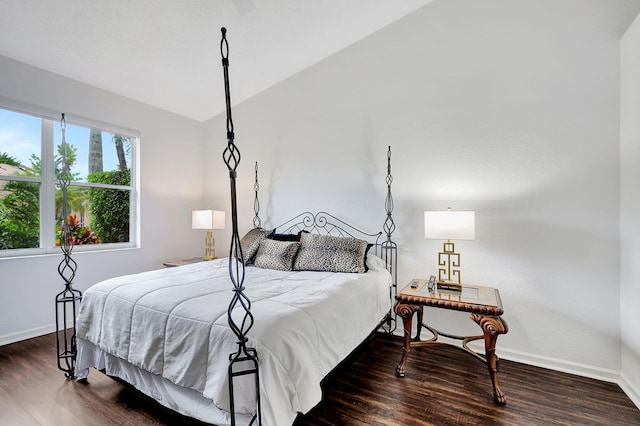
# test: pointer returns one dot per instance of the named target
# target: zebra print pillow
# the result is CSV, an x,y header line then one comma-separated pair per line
x,y
274,254
329,253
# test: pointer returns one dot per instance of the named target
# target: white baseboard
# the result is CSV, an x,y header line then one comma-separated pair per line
x,y
556,364
632,392
26,334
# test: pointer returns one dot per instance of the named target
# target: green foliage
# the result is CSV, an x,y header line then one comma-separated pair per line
x,y
36,165
7,159
20,201
71,158
109,208
19,211
76,202
20,215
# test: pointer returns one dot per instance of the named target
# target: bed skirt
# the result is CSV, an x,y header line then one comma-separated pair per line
x,y
177,398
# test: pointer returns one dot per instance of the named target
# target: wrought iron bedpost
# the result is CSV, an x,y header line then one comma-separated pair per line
x,y
244,355
257,223
66,300
389,247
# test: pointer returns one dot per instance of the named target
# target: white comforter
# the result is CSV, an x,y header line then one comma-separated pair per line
x,y
173,324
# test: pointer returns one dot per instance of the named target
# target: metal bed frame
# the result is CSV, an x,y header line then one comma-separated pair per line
x,y
321,222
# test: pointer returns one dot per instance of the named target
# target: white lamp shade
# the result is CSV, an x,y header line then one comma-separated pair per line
x,y
202,219
207,219
450,225
218,219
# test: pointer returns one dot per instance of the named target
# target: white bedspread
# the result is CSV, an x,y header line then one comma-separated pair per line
x,y
173,324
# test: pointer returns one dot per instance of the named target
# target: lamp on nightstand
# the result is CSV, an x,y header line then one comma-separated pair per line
x,y
209,220
449,225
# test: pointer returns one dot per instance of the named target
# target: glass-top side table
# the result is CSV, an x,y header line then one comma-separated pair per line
x,y
485,309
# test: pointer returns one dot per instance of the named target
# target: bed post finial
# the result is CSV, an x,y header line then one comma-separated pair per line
x,y
239,359
389,249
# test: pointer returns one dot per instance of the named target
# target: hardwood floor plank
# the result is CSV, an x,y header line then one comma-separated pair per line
x,y
442,386
11,413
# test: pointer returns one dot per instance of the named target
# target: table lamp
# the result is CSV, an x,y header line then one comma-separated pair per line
x,y
209,220
449,225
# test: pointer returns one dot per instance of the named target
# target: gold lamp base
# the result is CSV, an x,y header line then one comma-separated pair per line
x,y
449,262
209,246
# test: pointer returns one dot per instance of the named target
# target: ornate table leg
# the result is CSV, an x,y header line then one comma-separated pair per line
x,y
406,313
420,311
492,326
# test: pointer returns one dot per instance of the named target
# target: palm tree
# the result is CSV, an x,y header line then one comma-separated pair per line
x,y
95,151
119,141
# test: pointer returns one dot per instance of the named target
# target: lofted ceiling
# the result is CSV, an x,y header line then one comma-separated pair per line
x,y
166,53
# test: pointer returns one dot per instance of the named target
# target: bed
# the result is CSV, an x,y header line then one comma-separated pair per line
x,y
302,299
166,332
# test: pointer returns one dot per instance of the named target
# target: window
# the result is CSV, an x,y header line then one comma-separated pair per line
x,y
101,196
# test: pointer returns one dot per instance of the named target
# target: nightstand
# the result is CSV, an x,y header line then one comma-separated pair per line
x,y
486,310
172,263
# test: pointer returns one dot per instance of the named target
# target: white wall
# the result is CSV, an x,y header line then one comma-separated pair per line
x,y
508,108
630,210
171,168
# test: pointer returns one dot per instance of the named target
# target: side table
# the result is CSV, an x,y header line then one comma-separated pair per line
x,y
485,307
173,263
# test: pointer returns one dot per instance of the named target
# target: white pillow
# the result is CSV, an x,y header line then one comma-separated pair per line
x,y
375,263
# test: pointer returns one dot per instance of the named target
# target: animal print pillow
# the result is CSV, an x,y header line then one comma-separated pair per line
x,y
251,242
329,253
274,254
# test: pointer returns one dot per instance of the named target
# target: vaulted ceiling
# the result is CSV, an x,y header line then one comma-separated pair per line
x,y
166,53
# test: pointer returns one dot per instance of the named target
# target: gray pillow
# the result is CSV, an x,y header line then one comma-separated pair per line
x,y
329,253
251,241
274,254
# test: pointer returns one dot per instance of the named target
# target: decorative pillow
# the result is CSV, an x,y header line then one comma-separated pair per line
x,y
366,253
287,237
329,253
251,242
273,254
375,263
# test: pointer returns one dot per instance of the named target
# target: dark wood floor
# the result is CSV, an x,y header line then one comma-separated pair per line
x,y
443,386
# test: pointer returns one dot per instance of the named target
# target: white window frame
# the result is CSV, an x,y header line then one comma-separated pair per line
x,y
48,183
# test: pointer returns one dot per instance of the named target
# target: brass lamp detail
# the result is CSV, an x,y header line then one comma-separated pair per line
x,y
449,225
209,220
449,262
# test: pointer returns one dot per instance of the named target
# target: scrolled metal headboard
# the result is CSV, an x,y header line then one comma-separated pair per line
x,y
325,224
